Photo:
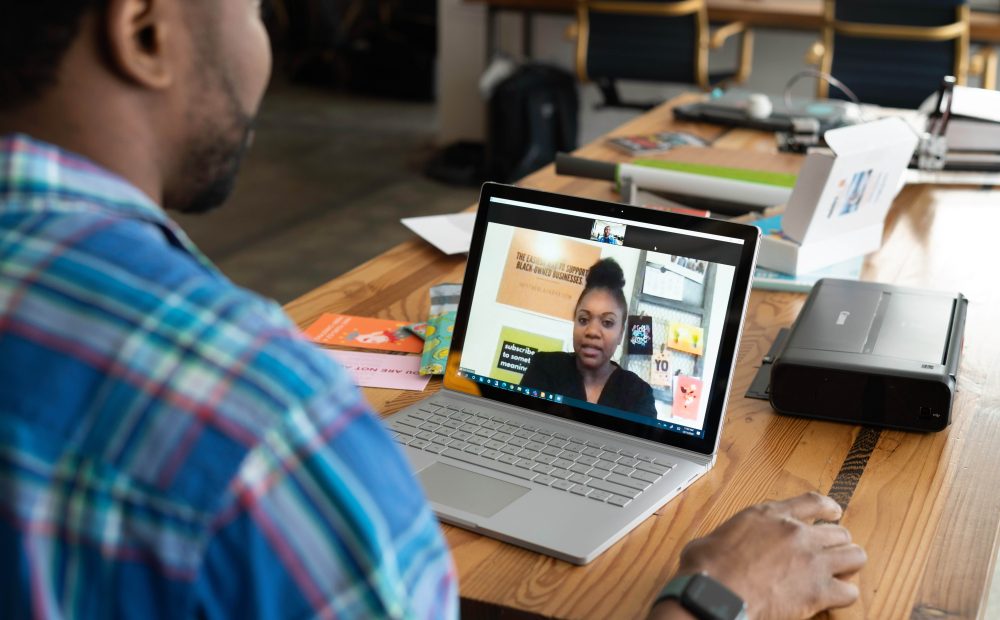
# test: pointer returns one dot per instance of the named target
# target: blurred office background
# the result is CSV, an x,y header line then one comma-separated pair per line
x,y
362,99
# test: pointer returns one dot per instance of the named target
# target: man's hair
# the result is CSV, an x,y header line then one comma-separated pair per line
x,y
34,38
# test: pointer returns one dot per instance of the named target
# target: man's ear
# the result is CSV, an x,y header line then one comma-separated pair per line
x,y
142,36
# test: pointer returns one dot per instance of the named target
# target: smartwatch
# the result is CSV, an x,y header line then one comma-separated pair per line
x,y
704,597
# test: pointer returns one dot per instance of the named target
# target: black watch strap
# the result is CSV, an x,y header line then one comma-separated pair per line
x,y
704,597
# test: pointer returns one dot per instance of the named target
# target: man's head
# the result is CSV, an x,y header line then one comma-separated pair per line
x,y
164,92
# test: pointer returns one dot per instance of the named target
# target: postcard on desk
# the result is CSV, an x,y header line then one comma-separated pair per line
x,y
451,234
382,370
342,330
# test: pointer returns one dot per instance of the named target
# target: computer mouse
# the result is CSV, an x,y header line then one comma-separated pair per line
x,y
759,106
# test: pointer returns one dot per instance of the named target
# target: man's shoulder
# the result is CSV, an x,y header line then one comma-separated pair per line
x,y
173,372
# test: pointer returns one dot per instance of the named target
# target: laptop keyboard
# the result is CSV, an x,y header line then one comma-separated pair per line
x,y
599,471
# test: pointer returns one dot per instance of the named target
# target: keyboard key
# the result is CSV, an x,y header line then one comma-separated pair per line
x,y
557,443
400,438
609,456
469,428
403,429
622,470
574,447
510,449
599,473
451,423
528,454
523,434
565,464
644,457
435,448
652,468
425,436
560,436
473,449
562,474
545,458
508,458
518,441
618,500
461,435
551,451
457,444
543,479
629,482
562,485
504,437
586,460
525,463
485,432
444,440
627,461
477,440
616,489
492,425
529,427
491,454
605,465
627,453
599,495
542,468
405,420
579,469
579,489
645,475
429,426
540,431
594,452
534,445
487,464
578,478
510,428
493,444
437,419
419,444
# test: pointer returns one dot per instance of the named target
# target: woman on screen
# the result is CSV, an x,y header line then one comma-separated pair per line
x,y
588,373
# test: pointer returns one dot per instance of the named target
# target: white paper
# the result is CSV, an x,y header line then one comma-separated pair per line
x,y
452,234
665,284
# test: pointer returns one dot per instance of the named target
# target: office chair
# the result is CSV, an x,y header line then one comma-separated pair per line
x,y
652,41
895,52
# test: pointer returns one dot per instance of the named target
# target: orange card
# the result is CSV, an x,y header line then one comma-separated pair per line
x,y
342,330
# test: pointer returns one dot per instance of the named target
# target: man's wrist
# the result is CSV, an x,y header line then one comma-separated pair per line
x,y
703,597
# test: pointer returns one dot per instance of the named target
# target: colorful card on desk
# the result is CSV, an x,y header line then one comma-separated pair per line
x,y
382,370
342,330
438,329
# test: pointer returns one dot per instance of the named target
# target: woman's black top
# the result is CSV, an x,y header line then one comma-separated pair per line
x,y
557,372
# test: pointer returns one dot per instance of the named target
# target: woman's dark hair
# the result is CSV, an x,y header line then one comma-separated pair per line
x,y
34,37
606,274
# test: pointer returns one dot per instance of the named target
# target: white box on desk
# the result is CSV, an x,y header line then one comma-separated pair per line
x,y
838,207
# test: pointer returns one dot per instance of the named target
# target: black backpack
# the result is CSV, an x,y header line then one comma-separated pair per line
x,y
532,115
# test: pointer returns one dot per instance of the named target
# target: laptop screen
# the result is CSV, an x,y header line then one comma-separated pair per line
x,y
611,315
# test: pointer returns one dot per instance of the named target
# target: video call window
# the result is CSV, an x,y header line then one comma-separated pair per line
x,y
549,310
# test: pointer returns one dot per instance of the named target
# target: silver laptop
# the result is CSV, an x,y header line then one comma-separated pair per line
x,y
591,361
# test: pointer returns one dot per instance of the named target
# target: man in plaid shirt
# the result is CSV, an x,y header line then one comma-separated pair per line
x,y
169,445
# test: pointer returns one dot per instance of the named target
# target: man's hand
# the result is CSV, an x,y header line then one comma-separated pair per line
x,y
777,560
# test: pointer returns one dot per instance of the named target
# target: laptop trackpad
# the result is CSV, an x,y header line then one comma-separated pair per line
x,y
474,493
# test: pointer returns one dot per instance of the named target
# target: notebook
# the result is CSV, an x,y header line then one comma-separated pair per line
x,y
571,412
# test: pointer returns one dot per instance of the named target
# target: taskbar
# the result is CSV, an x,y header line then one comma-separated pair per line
x,y
559,398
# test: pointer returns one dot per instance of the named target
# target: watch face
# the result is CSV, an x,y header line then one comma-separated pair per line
x,y
710,600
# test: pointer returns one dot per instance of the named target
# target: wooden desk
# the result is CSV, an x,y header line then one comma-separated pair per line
x,y
792,14
926,507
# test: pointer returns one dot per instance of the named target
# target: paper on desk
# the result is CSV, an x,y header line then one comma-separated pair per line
x,y
382,370
452,234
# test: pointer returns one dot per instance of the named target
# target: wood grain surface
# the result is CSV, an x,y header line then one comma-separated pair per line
x,y
925,506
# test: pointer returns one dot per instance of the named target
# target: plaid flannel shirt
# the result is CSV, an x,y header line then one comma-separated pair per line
x,y
169,445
